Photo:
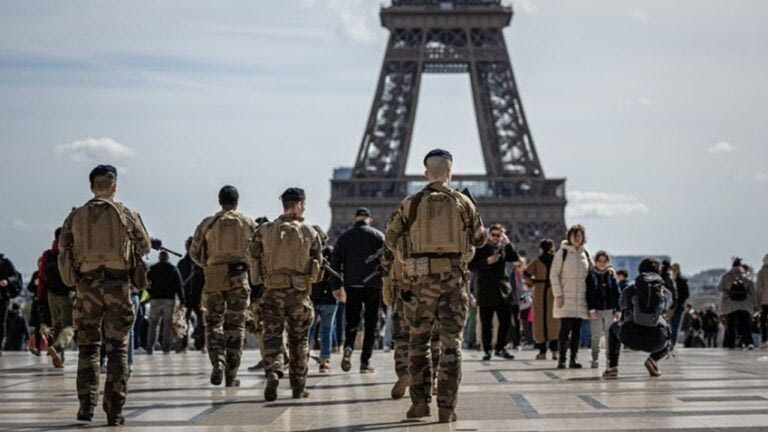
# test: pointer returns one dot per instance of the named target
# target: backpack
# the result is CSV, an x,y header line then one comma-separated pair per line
x,y
287,245
53,281
437,224
738,291
227,239
101,237
648,301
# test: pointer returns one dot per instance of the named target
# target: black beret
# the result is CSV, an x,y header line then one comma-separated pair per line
x,y
363,211
293,194
438,152
101,170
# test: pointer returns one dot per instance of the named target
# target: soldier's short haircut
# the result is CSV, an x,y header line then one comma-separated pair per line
x,y
438,167
289,204
103,182
228,196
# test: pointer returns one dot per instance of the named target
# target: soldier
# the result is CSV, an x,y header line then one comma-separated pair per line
x,y
220,246
101,245
398,296
286,257
434,233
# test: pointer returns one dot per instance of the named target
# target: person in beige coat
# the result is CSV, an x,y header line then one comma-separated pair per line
x,y
546,328
762,299
568,277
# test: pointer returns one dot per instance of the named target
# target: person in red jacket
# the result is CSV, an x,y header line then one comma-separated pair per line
x,y
59,301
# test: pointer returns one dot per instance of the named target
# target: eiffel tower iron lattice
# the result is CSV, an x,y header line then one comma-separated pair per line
x,y
452,36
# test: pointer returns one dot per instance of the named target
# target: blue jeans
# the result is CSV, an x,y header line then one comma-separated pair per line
x,y
676,319
135,301
325,317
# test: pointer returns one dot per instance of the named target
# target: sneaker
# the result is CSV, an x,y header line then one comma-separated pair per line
x,y
398,390
217,373
325,366
418,410
56,358
611,373
300,394
574,364
504,354
270,390
366,369
750,347
594,364
346,363
653,368
541,356
487,356
446,415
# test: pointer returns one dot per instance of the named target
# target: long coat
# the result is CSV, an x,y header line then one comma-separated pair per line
x,y
728,305
568,278
545,326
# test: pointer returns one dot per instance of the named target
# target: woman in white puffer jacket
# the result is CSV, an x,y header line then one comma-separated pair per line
x,y
568,273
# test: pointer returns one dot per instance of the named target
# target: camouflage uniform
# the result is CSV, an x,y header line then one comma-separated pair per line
x,y
103,298
286,306
438,299
226,296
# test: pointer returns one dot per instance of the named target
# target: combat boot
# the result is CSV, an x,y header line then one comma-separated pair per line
x,y
398,390
446,415
270,389
346,360
418,410
217,373
84,414
232,382
115,420
300,394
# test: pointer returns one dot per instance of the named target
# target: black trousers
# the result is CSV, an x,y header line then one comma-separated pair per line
x,y
359,301
503,315
4,303
570,334
514,330
543,346
738,330
653,340
764,322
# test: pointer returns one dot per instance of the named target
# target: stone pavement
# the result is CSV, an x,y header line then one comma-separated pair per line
x,y
700,390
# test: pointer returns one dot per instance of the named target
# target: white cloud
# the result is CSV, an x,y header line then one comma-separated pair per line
x,y
634,102
18,225
94,150
592,204
526,6
637,15
357,20
722,147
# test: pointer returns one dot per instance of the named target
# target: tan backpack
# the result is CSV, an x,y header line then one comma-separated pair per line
x,y
101,237
287,246
438,224
227,239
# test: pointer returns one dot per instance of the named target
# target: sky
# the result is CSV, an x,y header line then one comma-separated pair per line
x,y
655,112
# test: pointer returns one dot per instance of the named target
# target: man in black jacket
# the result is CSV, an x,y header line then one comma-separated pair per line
x,y
361,282
10,286
193,280
164,287
494,290
683,293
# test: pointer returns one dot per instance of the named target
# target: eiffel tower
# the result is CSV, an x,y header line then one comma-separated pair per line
x,y
451,36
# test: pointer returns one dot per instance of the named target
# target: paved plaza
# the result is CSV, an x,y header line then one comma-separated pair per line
x,y
699,390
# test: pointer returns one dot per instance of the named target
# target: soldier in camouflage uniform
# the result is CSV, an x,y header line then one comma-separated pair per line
x,y
398,296
286,256
100,245
434,233
220,246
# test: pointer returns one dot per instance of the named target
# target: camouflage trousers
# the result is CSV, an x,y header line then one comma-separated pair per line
x,y
224,313
103,303
291,308
401,330
440,300
255,324
61,319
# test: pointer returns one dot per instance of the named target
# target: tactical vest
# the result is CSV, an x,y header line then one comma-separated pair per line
x,y
287,247
101,238
438,223
227,239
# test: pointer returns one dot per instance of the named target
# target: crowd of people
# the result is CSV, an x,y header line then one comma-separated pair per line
x,y
418,289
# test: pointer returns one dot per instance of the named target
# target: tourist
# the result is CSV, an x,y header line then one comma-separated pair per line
x,y
602,301
737,303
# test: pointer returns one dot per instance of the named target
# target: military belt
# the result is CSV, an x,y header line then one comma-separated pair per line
x,y
105,273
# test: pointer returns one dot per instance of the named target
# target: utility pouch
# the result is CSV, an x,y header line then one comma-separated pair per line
x,y
440,265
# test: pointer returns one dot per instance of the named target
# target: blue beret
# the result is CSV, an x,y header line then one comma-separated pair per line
x,y
438,152
101,170
293,194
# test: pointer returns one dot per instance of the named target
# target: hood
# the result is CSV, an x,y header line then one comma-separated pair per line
x,y
570,248
649,277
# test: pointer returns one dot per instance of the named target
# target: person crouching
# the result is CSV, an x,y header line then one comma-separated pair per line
x,y
643,325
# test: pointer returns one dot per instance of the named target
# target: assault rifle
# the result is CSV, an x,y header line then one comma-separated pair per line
x,y
157,245
376,256
333,272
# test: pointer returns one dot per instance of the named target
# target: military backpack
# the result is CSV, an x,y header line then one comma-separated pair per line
x,y
101,237
227,239
287,244
438,223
